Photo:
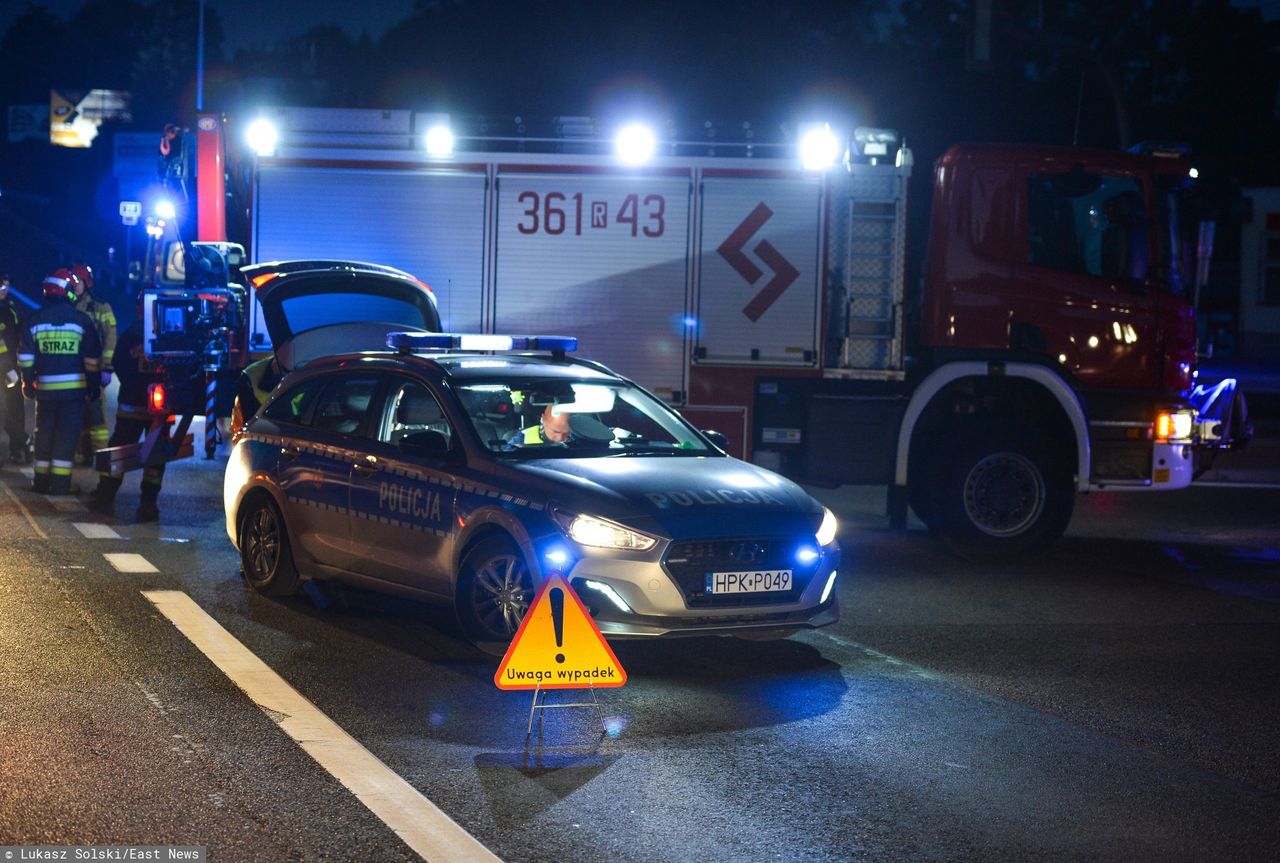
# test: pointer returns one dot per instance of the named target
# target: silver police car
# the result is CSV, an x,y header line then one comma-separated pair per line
x,y
461,470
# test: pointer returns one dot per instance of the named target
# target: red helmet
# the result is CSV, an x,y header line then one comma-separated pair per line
x,y
60,283
84,274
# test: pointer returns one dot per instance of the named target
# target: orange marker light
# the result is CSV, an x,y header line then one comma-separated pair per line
x,y
155,398
1164,426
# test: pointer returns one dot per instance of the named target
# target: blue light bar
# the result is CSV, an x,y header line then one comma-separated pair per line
x,y
423,342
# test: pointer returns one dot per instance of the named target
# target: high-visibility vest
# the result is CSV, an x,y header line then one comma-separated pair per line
x,y
104,321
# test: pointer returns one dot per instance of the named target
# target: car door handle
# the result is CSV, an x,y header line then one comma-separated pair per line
x,y
367,467
289,452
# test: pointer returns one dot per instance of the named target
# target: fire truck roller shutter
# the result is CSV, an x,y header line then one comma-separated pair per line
x,y
759,272
427,223
601,257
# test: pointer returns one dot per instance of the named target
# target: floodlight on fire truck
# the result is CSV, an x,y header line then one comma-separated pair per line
x,y
819,147
635,144
874,144
262,136
439,140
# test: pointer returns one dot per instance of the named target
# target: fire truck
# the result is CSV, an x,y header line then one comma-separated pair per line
x,y
1048,349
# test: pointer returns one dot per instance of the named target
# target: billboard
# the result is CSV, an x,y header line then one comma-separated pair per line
x,y
75,115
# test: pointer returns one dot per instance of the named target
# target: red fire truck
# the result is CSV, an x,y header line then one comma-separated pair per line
x,y
1048,349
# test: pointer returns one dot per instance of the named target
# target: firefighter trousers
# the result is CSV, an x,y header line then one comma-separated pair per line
x,y
15,417
96,431
58,424
130,430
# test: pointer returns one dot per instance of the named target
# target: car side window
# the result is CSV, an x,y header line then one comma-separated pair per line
x,y
292,406
411,410
345,403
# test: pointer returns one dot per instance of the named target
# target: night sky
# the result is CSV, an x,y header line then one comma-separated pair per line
x,y
250,22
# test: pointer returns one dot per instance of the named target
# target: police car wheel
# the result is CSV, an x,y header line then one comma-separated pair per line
x,y
265,557
495,591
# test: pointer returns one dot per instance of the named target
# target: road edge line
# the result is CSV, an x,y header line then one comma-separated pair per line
x,y
26,513
419,823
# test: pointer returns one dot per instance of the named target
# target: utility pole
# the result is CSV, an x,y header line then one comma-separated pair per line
x,y
200,60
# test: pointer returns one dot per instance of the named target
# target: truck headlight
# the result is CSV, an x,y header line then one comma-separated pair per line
x,y
598,532
1174,426
827,530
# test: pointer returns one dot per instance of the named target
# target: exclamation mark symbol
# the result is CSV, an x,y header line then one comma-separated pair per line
x,y
557,618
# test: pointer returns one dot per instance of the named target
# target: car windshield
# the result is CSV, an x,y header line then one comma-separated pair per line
x,y
565,418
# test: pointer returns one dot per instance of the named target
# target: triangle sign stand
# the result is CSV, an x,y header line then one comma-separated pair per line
x,y
558,646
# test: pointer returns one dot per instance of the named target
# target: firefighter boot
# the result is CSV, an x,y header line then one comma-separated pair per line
x,y
60,484
103,498
147,509
40,483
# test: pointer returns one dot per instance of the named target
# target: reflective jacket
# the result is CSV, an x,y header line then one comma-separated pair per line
x,y
10,321
104,321
254,384
59,345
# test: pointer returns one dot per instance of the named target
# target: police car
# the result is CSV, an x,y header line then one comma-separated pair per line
x,y
429,469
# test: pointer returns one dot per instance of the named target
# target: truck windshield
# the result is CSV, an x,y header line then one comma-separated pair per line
x,y
557,418
1089,224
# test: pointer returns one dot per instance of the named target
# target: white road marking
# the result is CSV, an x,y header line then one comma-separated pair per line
x,y
93,530
130,562
26,513
432,834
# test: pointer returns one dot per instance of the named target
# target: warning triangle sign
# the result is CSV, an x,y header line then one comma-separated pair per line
x,y
558,646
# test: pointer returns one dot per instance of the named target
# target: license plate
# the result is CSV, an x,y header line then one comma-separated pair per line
x,y
754,581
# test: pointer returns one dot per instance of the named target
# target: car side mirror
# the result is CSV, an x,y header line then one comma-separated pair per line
x,y
427,444
717,438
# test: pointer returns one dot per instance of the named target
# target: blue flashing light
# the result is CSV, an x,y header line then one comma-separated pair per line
x,y
423,342
805,554
557,557
545,343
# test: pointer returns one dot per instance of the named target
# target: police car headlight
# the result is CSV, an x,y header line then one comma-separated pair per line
x,y
602,533
827,530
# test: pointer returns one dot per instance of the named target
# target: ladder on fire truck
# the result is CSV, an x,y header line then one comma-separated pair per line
x,y
870,233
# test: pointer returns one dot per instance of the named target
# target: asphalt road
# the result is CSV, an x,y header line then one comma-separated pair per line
x,y
1116,699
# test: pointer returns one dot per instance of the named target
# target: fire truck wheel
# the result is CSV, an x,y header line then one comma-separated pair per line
x,y
495,589
265,557
1004,495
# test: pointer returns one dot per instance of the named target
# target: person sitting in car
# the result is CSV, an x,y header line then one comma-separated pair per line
x,y
552,429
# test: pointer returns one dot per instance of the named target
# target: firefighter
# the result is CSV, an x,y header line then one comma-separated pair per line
x,y
61,359
133,420
15,414
104,319
254,384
